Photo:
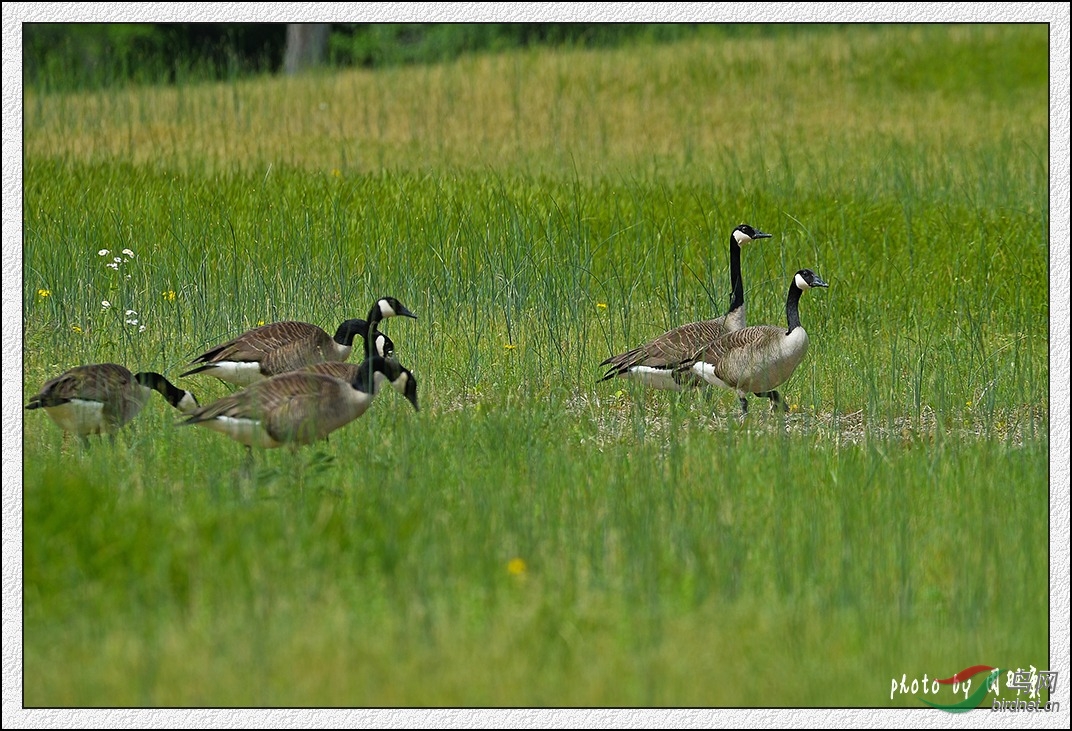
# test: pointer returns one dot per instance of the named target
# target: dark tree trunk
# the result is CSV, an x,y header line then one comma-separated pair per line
x,y
307,45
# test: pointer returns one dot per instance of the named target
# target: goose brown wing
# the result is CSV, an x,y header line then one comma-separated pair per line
x,y
335,368
257,401
736,354
313,347
236,405
253,345
92,383
56,391
278,391
308,416
670,348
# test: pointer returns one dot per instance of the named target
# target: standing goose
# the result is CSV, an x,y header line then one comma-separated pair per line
x,y
101,398
301,407
655,362
279,347
758,359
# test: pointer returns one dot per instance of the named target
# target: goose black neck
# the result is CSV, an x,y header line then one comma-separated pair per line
x,y
346,332
792,307
365,380
157,382
736,286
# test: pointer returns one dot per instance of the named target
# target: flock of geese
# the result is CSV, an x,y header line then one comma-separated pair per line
x,y
297,388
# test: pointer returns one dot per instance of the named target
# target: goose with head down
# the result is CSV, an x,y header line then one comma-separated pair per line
x,y
303,406
103,397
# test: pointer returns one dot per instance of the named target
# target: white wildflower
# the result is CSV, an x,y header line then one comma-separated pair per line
x,y
103,252
118,259
105,304
112,265
128,252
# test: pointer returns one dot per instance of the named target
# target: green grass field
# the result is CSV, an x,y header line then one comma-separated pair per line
x,y
531,538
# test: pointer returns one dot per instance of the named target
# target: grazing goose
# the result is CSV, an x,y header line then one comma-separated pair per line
x,y
758,359
301,406
101,398
279,347
655,362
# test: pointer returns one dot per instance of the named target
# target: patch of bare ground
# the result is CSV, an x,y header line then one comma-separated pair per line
x,y
620,417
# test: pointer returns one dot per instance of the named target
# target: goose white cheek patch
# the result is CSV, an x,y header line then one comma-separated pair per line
x,y
801,283
741,237
187,403
385,309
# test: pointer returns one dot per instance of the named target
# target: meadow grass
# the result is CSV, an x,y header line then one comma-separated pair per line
x,y
530,537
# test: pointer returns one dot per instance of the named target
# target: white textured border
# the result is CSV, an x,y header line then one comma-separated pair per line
x,y
1057,14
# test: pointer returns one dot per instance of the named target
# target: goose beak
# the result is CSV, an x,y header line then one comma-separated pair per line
x,y
403,312
761,235
819,283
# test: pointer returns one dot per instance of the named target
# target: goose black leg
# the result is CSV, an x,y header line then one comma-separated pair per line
x,y
246,470
776,401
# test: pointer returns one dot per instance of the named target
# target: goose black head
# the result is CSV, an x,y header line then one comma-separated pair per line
x,y
382,346
806,279
386,370
388,307
406,384
745,234
400,378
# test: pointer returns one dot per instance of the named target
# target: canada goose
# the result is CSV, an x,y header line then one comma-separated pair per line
x,y
758,359
279,347
301,406
655,362
101,398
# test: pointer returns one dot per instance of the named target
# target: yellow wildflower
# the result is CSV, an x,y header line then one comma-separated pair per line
x,y
516,566
44,293
76,328
169,295
601,305
510,346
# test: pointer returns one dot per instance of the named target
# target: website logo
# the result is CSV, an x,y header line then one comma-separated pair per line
x,y
973,685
